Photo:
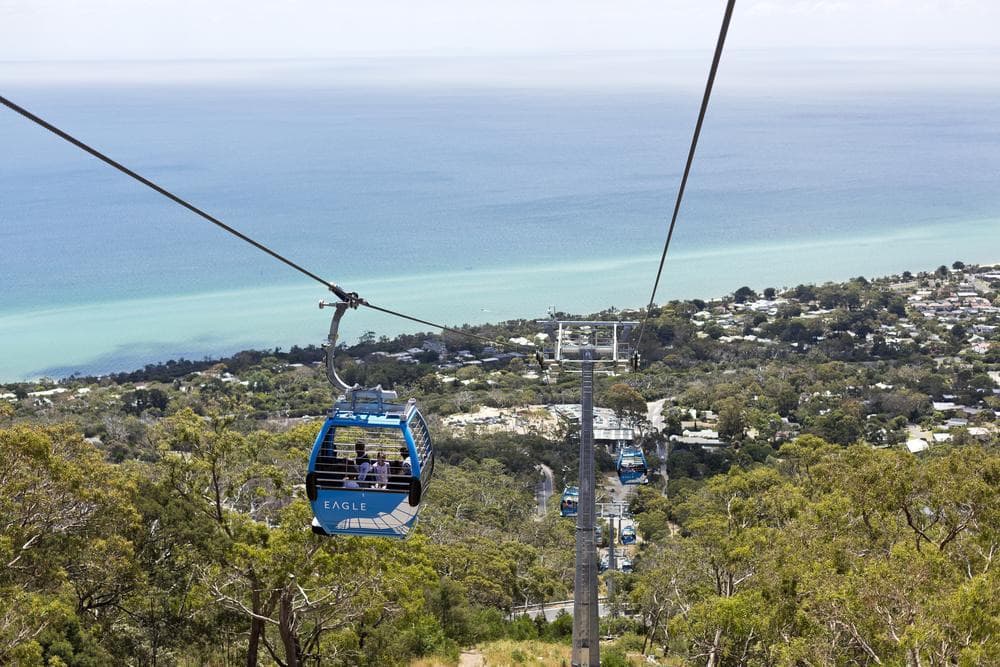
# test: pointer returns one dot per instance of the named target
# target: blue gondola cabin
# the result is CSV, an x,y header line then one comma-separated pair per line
x,y
631,466
570,502
369,467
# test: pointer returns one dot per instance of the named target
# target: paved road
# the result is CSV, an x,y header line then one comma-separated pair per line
x,y
544,489
619,492
654,414
553,609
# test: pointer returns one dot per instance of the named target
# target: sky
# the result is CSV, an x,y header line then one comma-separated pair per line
x,y
74,30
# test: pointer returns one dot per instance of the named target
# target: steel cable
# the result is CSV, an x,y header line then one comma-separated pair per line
x,y
690,159
350,297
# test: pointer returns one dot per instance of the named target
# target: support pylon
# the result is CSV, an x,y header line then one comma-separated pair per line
x,y
586,638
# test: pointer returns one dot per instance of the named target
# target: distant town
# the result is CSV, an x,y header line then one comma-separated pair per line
x,y
943,325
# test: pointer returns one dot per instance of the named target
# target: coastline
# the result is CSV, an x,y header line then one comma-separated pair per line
x,y
123,335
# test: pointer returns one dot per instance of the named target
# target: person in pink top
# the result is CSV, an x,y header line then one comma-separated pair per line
x,y
381,469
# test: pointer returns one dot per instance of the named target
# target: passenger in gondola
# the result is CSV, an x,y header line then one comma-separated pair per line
x,y
335,469
329,463
381,471
400,471
343,469
350,482
362,463
406,466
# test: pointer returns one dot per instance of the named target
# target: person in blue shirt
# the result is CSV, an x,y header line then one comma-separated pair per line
x,y
362,463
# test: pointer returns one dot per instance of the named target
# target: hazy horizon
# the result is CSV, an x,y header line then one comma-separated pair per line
x,y
747,70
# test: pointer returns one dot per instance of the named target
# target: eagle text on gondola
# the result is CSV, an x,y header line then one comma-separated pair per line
x,y
345,505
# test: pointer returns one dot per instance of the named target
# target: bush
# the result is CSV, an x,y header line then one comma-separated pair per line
x,y
621,626
630,641
424,637
523,628
561,627
486,624
614,657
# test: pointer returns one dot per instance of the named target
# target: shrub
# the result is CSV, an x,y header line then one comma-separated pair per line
x,y
523,628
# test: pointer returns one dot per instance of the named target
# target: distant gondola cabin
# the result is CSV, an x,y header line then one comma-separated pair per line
x,y
631,466
570,502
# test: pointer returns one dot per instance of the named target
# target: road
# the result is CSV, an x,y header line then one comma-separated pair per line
x,y
620,493
544,489
553,609
654,414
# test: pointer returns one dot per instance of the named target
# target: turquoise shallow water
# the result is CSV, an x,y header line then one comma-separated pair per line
x,y
129,333
457,205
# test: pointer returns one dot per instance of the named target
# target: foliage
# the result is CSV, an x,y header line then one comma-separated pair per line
x,y
176,532
860,554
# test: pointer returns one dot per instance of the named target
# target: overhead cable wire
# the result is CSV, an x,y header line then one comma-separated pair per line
x,y
469,334
344,296
690,159
350,297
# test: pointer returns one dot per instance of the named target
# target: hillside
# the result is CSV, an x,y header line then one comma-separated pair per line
x,y
825,488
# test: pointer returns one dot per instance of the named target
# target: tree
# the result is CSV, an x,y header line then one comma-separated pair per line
x,y
672,421
871,556
65,516
305,588
473,373
627,403
732,420
732,517
841,426
714,331
140,400
769,293
767,425
744,294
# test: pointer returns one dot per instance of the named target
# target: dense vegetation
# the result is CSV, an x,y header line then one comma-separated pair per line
x,y
157,517
207,555
830,555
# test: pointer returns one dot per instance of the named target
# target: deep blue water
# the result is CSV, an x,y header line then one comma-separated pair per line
x,y
476,204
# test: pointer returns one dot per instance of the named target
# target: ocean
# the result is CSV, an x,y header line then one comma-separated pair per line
x,y
458,203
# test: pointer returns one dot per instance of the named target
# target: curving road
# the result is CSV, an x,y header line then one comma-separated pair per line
x,y
654,414
544,489
551,610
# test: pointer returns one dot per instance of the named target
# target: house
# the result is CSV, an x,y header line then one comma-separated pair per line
x,y
48,392
703,433
916,445
708,443
432,345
